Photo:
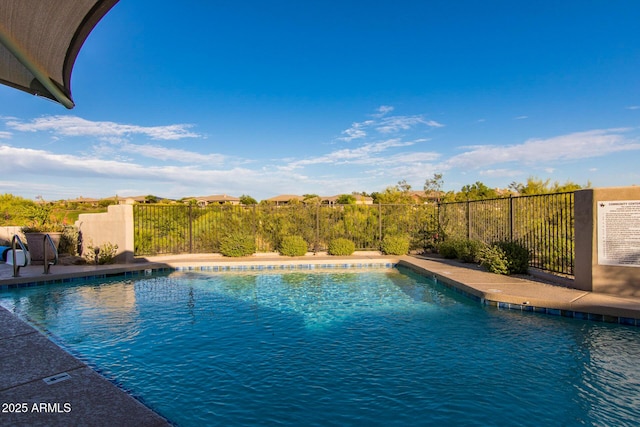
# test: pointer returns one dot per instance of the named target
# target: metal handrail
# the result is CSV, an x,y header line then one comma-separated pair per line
x,y
47,264
16,268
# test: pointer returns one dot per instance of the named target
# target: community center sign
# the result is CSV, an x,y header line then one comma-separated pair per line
x,y
619,233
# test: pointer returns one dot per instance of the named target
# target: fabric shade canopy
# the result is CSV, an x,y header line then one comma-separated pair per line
x,y
40,40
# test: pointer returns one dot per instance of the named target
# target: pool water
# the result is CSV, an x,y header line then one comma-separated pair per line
x,y
376,347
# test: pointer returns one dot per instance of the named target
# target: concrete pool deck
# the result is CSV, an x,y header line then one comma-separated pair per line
x,y
76,395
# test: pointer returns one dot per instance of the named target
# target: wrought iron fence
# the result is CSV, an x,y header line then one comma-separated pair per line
x,y
171,229
542,223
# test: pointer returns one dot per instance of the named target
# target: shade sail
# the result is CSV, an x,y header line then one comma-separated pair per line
x,y
40,40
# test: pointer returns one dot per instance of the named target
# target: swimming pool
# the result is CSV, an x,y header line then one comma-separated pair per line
x,y
379,346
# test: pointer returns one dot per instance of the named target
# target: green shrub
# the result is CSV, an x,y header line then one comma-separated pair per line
x,y
293,246
517,257
341,247
395,245
237,245
494,260
466,250
505,258
106,253
69,240
448,249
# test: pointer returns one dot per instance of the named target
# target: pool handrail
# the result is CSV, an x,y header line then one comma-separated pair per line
x,y
16,268
47,265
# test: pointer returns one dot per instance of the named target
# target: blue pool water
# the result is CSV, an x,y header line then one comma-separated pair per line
x,y
376,347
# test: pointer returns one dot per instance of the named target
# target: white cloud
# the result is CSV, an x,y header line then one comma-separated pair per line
x,y
364,154
168,154
434,124
5,135
386,125
579,145
499,173
383,110
356,131
56,168
397,123
108,131
521,117
633,107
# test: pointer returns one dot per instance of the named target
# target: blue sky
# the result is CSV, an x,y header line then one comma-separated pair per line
x,y
329,97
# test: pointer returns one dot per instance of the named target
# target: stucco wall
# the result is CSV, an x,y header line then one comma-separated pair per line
x,y
115,227
589,275
7,232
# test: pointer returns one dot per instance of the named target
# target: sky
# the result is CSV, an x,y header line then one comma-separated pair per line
x,y
248,97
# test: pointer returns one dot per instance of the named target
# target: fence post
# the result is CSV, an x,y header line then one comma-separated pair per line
x,y
317,242
190,230
255,221
510,217
438,225
468,219
379,225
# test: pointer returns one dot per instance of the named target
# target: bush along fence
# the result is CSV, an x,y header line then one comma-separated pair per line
x,y
543,224
172,229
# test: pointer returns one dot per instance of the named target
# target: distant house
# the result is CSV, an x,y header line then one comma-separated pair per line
x,y
420,197
329,200
360,199
363,200
216,199
84,201
132,200
285,199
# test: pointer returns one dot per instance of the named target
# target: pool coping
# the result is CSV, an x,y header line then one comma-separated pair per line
x,y
97,401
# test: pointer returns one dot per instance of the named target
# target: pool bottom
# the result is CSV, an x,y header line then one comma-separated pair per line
x,y
253,350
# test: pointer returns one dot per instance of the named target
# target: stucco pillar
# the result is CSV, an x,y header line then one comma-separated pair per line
x,y
590,272
115,226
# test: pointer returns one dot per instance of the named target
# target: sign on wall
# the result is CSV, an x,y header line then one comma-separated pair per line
x,y
619,233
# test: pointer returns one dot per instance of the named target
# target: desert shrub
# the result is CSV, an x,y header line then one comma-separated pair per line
x,y
395,245
69,240
517,257
106,254
341,247
505,258
237,245
293,246
466,250
448,249
494,260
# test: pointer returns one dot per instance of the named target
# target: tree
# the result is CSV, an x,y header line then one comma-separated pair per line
x,y
346,199
433,186
14,209
403,186
476,191
247,200
310,198
393,195
536,185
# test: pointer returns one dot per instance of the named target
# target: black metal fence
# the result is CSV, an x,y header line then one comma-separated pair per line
x,y
174,229
542,223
